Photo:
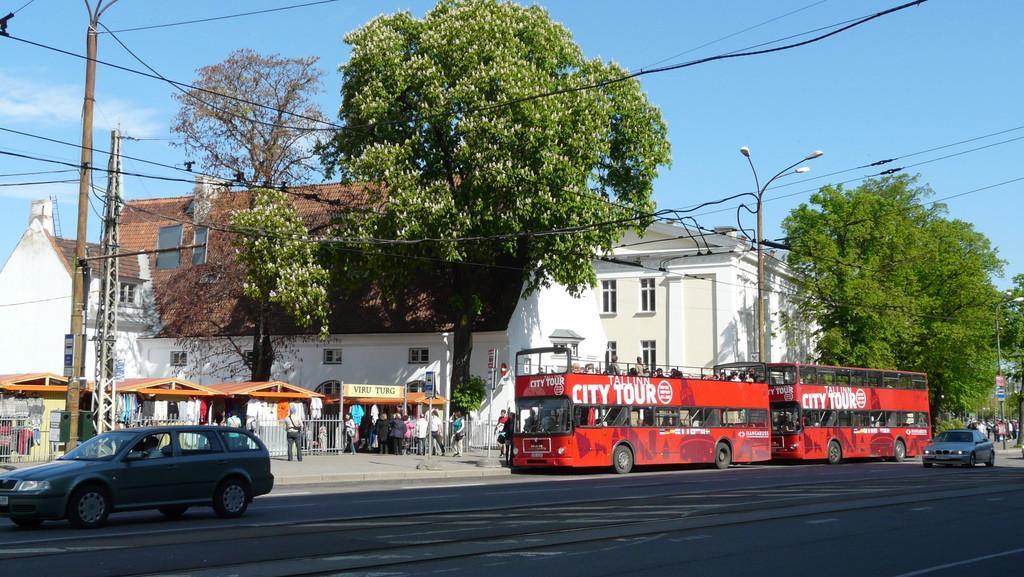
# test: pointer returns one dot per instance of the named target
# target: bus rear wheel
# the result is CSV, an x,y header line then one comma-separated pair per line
x,y
723,456
899,452
835,453
622,460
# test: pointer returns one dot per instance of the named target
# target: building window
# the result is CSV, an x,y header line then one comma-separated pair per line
x,y
650,353
169,237
329,388
332,356
199,252
647,295
127,293
419,356
608,304
611,352
179,358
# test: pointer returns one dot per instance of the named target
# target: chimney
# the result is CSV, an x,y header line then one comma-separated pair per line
x,y
204,192
42,212
726,230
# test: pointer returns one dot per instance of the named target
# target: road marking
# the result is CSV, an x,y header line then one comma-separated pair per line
x,y
921,509
944,566
444,486
690,538
528,491
390,499
527,554
994,499
820,521
293,505
288,494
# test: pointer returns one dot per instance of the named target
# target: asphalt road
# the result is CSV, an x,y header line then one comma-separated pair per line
x,y
857,519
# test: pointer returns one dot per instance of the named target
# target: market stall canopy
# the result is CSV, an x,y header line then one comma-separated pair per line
x,y
264,390
165,386
370,394
33,382
421,399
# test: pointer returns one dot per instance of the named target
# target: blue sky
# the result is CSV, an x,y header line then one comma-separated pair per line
x,y
920,79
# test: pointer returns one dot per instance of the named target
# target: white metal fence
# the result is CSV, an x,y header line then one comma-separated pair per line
x,y
23,441
318,437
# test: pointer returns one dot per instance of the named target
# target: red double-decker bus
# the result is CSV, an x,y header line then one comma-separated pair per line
x,y
836,413
568,416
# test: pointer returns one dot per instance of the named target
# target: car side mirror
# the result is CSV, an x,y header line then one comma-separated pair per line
x,y
135,456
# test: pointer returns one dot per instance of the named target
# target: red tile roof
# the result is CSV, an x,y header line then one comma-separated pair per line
x,y
128,267
207,299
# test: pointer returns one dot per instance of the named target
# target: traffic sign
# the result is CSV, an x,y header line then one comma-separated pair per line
x,y
428,383
69,354
119,369
1001,393
492,356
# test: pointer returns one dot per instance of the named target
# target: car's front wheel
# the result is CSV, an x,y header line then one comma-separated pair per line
x,y
972,461
88,507
231,498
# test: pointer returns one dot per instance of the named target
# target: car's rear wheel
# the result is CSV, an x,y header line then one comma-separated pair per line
x,y
26,523
88,507
972,461
622,460
723,456
835,453
174,512
899,452
991,462
231,498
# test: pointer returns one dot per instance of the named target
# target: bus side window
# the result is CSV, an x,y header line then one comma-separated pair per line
x,y
712,417
667,417
757,417
808,375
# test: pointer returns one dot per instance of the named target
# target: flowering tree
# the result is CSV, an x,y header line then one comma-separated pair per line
x,y
281,269
439,112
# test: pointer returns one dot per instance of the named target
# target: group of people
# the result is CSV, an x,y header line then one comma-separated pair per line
x,y
401,434
997,430
639,369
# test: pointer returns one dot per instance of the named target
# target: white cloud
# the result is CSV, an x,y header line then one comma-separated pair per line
x,y
25,101
65,192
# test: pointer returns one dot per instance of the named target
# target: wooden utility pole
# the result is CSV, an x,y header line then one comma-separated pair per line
x,y
80,292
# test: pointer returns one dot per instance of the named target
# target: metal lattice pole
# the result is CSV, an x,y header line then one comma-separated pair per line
x,y
105,396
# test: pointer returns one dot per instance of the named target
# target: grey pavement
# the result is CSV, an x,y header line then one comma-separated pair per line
x,y
315,469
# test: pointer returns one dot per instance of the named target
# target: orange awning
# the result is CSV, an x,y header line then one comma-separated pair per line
x,y
34,382
165,386
421,399
265,389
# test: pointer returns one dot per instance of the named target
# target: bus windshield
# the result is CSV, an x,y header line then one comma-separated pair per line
x,y
543,415
785,418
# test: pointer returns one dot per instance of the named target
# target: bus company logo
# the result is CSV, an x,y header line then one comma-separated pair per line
x,y
835,398
786,391
549,381
664,392
559,388
918,432
753,434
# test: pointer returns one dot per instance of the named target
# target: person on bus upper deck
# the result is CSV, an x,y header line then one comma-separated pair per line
x,y
676,374
659,372
640,370
613,367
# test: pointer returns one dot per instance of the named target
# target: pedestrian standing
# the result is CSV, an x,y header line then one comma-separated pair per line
x,y
350,434
435,433
510,427
458,433
383,429
410,426
397,433
233,421
421,435
293,430
499,432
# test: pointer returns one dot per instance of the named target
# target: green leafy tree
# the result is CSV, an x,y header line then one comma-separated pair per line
x,y
280,270
469,396
439,113
890,282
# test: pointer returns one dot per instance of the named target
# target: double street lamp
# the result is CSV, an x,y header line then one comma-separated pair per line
x,y
763,353
999,359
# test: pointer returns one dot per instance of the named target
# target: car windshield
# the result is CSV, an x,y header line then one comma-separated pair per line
x,y
100,448
549,415
954,437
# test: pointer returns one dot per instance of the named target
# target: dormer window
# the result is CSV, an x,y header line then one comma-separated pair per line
x,y
169,238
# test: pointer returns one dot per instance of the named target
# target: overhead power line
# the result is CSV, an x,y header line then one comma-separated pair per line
x,y
38,182
503,103
225,17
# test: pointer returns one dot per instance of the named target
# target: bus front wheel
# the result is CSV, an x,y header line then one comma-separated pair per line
x,y
835,453
723,456
899,452
622,460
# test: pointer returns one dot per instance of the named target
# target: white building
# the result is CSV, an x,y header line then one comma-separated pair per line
x,y
679,298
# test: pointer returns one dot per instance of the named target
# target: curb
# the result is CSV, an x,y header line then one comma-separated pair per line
x,y
388,476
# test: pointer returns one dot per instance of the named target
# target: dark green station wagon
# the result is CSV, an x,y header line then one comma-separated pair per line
x,y
164,468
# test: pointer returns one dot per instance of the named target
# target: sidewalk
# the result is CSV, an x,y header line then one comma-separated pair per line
x,y
373,467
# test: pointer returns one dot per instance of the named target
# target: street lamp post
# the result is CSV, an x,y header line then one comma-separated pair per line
x,y
999,360
763,354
